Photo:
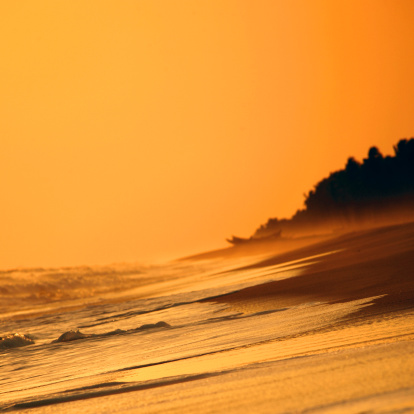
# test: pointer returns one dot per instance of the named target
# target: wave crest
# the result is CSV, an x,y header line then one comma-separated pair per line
x,y
15,340
74,335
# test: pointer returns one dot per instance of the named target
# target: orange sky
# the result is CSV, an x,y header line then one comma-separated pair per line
x,y
143,130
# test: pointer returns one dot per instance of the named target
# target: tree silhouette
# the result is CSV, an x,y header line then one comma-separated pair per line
x,y
360,190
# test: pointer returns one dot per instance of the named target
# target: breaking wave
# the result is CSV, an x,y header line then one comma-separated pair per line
x,y
74,335
15,340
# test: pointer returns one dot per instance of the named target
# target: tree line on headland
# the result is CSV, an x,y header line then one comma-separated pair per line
x,y
361,192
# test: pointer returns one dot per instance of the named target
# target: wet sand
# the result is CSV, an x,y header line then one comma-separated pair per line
x,y
368,263
349,346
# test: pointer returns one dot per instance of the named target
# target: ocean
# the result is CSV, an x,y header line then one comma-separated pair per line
x,y
215,334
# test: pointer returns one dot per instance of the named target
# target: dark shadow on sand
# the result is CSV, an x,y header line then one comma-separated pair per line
x,y
364,264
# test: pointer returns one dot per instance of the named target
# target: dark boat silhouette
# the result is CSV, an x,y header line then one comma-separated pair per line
x,y
241,240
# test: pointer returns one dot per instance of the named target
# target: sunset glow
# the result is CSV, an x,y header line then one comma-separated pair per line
x,y
145,130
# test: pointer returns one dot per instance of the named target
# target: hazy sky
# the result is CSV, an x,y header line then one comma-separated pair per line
x,y
143,129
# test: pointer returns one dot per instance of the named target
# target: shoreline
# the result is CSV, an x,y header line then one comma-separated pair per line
x,y
375,262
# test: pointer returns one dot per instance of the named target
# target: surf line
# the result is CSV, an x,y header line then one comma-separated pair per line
x,y
75,335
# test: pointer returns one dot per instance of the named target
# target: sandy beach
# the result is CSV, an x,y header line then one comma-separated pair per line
x,y
367,263
332,332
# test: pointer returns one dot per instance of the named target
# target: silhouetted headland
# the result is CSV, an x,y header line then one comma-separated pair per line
x,y
378,190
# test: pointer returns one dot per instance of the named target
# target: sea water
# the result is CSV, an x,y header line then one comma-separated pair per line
x,y
117,356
